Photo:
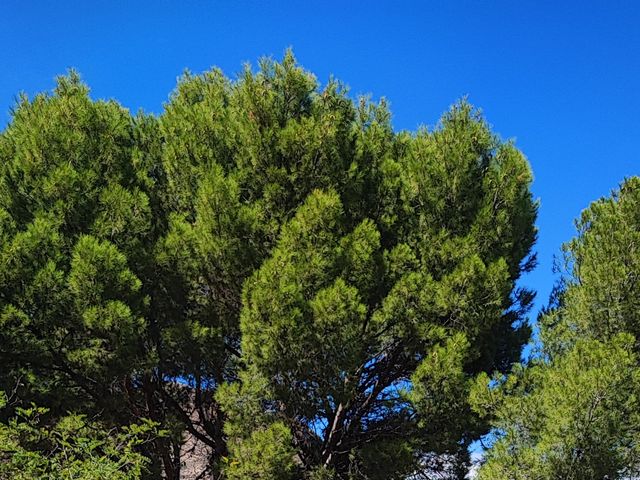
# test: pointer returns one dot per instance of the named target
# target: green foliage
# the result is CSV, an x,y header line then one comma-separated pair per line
x,y
440,388
573,412
352,309
265,455
81,201
576,418
600,297
72,447
241,402
267,266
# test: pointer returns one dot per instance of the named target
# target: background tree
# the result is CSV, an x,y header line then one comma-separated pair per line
x,y
572,413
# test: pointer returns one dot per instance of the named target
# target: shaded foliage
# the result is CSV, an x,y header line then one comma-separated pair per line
x,y
71,447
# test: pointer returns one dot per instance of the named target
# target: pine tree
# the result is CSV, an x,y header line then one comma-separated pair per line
x,y
267,266
574,411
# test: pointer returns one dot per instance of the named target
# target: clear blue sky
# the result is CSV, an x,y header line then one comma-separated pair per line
x,y
562,78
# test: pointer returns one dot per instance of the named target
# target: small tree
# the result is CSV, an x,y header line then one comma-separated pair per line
x,y
71,447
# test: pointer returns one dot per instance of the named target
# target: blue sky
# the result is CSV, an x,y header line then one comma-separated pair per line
x,y
561,78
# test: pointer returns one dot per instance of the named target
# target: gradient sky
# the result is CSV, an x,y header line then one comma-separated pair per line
x,y
563,80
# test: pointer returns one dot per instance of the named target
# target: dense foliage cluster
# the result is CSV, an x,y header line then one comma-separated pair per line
x,y
269,269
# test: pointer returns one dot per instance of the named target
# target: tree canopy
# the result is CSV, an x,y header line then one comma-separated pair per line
x,y
267,267
574,411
